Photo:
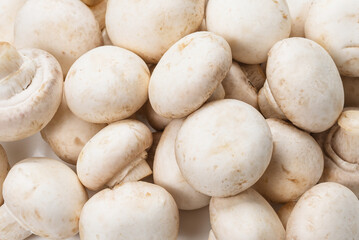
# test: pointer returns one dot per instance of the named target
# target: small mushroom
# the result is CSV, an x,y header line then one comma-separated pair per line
x,y
98,8
303,85
107,84
44,196
327,211
285,211
115,154
4,168
67,134
237,86
245,216
296,165
298,12
342,150
216,148
155,120
133,210
30,91
8,11
67,31
188,74
250,27
211,235
167,174
351,91
149,28
334,25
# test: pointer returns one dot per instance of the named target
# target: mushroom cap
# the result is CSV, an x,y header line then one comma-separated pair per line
x,y
8,11
167,174
216,148
110,151
134,210
351,91
296,165
250,27
155,120
305,84
67,31
45,196
298,12
4,168
150,28
285,211
107,84
245,216
188,74
326,211
67,134
334,25
27,112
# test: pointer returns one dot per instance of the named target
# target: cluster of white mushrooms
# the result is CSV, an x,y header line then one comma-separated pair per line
x,y
168,105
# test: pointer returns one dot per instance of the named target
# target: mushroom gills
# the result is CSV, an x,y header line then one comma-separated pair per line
x,y
10,229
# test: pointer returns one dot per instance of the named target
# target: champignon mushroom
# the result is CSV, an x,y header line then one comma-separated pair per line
x,y
188,74
216,148
67,134
298,11
133,210
303,85
327,211
115,154
8,11
285,211
155,120
245,216
67,31
341,147
250,27
237,86
351,91
44,196
4,168
30,91
107,84
334,25
296,165
167,174
149,28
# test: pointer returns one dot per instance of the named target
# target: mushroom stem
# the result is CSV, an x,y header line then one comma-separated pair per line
x,y
10,229
135,170
267,103
16,72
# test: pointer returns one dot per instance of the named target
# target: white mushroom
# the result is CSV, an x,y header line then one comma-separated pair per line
x,y
250,27
65,28
4,168
217,148
285,211
351,91
8,11
296,165
150,28
327,211
188,74
334,25
107,84
44,196
134,210
167,174
67,134
245,216
299,10
303,85
10,229
115,154
30,91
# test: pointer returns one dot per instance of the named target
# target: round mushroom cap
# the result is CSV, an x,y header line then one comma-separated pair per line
x,y
31,94
305,84
334,25
107,84
67,134
150,28
188,74
45,196
4,168
217,148
327,211
133,210
245,216
250,27
8,11
296,165
67,31
167,174
351,91
115,149
299,10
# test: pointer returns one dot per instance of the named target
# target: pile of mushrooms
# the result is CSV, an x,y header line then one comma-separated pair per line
x,y
123,119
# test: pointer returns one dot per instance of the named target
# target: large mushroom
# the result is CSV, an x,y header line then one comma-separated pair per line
x,y
30,91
